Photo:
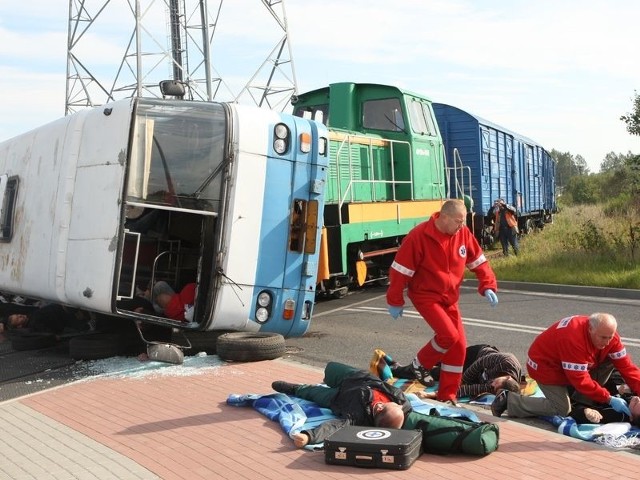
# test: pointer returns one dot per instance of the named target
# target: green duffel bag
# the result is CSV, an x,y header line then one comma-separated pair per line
x,y
444,435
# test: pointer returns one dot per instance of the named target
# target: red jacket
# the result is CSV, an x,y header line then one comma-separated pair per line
x,y
563,355
432,264
175,309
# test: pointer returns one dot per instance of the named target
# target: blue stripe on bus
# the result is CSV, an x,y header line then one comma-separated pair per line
x,y
287,180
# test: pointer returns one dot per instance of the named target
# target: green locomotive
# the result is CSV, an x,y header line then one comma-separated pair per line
x,y
387,173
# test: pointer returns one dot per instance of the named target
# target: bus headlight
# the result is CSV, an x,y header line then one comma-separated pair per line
x,y
263,306
280,146
281,138
262,315
264,299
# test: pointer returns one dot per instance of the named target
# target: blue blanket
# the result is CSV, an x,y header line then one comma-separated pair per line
x,y
295,414
616,435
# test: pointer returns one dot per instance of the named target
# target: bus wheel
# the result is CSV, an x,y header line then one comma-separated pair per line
x,y
95,346
250,346
32,341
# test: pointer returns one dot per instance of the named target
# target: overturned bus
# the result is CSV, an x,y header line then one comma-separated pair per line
x,y
98,206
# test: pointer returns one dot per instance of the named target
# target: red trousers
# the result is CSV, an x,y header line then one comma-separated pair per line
x,y
448,345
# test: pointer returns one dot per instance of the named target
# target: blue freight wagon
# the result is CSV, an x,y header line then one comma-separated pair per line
x,y
488,162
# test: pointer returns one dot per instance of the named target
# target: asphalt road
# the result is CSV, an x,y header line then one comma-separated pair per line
x,y
349,329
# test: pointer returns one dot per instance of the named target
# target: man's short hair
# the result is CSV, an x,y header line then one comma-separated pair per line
x,y
452,206
160,288
390,418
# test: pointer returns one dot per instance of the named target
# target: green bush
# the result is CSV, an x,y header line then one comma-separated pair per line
x,y
585,245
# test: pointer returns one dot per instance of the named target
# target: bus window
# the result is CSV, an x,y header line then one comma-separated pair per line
x,y
8,192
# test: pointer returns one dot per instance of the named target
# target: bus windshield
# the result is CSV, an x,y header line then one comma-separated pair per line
x,y
177,157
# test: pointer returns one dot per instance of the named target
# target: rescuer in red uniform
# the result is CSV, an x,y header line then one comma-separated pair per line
x,y
573,357
431,262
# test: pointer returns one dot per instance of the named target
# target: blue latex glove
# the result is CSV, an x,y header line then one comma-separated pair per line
x,y
395,312
492,297
619,405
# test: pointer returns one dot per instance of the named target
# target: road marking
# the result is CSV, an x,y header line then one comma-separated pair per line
x,y
572,296
477,322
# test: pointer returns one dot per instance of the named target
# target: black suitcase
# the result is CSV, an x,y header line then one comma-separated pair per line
x,y
373,447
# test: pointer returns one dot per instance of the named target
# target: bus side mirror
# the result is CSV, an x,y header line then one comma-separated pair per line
x,y
173,88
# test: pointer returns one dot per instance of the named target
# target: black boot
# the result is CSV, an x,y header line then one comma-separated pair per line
x,y
499,404
285,387
422,374
406,371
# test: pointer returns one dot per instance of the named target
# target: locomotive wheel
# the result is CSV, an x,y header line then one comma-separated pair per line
x,y
250,346
340,292
528,225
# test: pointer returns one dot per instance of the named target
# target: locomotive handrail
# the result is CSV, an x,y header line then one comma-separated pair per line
x,y
348,139
458,169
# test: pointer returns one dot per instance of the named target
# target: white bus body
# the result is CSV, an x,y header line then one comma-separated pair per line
x,y
98,205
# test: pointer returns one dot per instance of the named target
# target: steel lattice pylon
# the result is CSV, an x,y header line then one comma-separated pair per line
x,y
125,48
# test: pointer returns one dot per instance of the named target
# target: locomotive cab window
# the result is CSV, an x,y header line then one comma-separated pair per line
x,y
8,194
383,114
422,118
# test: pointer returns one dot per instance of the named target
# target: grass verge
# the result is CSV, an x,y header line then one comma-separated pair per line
x,y
583,246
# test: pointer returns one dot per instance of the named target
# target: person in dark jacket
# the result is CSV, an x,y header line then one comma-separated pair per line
x,y
486,370
52,318
593,412
356,396
603,413
505,225
359,398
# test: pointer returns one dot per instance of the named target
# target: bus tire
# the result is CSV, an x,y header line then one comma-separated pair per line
x,y
95,346
250,346
32,341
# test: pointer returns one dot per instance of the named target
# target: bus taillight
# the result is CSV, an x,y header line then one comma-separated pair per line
x,y
289,309
305,142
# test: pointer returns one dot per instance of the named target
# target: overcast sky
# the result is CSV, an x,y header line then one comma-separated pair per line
x,y
561,72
